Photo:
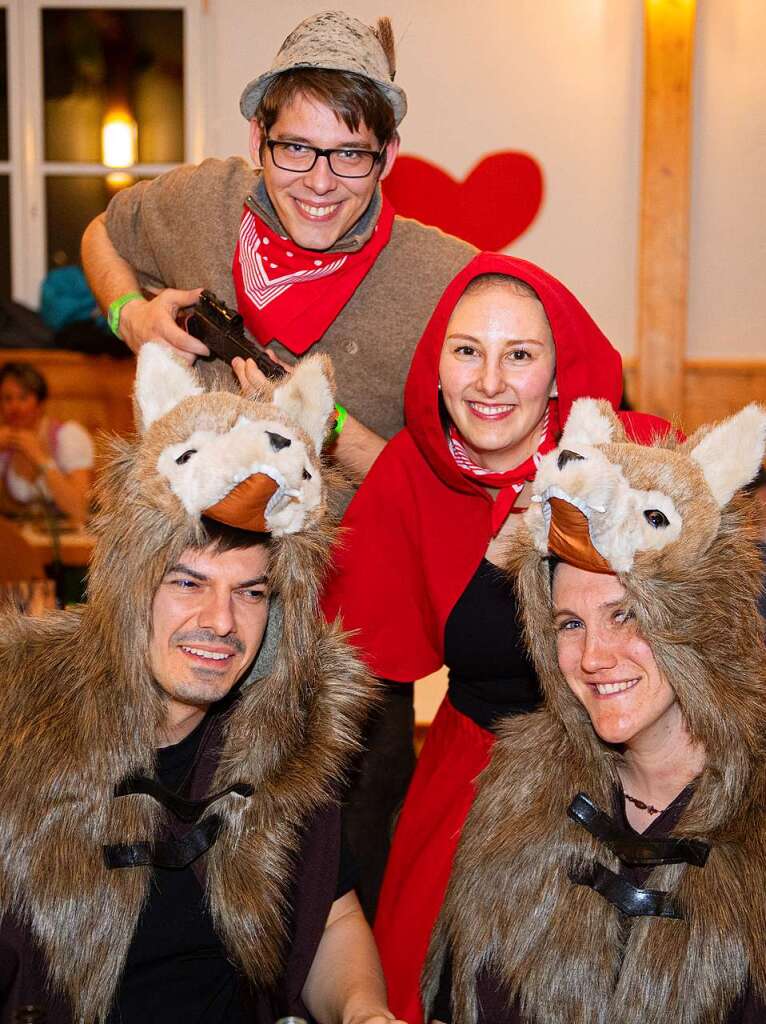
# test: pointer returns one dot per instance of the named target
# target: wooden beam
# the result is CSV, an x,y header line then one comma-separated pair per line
x,y
713,388
664,229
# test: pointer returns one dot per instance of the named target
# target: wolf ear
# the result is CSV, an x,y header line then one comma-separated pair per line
x,y
162,381
308,396
730,454
591,421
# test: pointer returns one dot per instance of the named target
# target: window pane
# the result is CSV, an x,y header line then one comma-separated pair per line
x,y
102,63
3,89
72,202
5,238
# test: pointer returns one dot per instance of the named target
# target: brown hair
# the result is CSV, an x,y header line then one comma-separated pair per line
x,y
222,538
516,284
354,100
27,377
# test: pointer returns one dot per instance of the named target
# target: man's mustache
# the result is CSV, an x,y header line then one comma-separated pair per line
x,y
207,636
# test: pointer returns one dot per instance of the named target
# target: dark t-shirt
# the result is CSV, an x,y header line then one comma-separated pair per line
x,y
177,970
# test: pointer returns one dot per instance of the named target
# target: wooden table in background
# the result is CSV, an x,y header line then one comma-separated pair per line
x,y
76,546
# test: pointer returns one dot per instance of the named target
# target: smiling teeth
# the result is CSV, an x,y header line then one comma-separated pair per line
x,y
318,211
490,410
212,655
605,688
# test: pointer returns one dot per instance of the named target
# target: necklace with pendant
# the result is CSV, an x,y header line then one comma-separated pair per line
x,y
649,808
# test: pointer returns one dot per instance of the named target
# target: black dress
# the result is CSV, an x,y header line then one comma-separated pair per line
x,y
490,677
490,672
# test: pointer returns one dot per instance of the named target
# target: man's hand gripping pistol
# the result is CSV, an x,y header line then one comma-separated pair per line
x,y
223,331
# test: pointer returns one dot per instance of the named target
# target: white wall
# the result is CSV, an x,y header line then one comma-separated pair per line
x,y
728,236
560,80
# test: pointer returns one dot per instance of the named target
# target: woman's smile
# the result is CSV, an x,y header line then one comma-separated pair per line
x,y
486,411
613,689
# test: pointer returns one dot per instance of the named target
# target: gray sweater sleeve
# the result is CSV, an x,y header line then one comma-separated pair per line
x,y
179,230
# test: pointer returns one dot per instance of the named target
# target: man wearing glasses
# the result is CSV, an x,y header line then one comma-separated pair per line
x,y
306,247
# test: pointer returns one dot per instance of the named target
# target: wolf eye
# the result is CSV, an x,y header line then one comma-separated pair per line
x,y
277,441
306,474
185,456
655,518
567,456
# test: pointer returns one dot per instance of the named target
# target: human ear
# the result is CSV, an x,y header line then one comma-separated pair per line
x,y
256,139
392,152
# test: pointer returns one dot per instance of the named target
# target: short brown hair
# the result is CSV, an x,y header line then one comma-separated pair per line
x,y
222,538
354,100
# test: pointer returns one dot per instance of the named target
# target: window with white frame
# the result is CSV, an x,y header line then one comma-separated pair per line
x,y
99,97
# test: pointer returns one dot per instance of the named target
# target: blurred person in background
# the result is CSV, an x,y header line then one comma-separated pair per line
x,y
41,459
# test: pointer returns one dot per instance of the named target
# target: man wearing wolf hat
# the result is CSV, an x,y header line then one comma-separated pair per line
x,y
310,252
306,247
169,753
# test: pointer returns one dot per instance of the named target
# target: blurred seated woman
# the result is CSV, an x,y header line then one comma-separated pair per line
x,y
41,459
505,354
613,866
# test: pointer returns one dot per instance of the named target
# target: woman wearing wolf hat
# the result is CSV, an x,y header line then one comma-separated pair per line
x,y
613,867
505,354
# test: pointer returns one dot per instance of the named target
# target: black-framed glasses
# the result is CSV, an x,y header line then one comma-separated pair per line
x,y
345,163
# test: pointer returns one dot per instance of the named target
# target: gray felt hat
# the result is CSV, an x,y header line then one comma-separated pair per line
x,y
337,42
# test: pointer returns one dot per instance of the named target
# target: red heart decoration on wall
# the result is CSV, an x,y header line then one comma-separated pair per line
x,y
493,206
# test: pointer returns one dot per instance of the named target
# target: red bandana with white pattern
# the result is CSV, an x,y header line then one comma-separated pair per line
x,y
292,294
510,483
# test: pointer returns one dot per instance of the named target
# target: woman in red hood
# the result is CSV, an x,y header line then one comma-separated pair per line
x,y
505,354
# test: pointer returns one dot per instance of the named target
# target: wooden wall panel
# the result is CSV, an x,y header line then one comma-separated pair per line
x,y
714,389
663,246
711,389
94,390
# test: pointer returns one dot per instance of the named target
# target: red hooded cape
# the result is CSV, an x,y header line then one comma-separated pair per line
x,y
418,528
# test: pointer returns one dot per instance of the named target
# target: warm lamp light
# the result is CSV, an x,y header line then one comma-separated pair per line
x,y
118,139
116,180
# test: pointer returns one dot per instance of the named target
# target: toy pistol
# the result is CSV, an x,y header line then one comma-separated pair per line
x,y
223,331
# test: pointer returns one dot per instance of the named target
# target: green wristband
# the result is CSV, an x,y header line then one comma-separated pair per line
x,y
341,415
115,311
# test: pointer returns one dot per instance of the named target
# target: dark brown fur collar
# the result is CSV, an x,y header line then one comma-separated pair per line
x,y
71,728
562,949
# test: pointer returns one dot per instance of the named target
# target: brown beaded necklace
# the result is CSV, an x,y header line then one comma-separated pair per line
x,y
649,808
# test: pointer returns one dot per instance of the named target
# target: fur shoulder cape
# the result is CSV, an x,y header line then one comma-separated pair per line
x,y
567,954
561,949
79,710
